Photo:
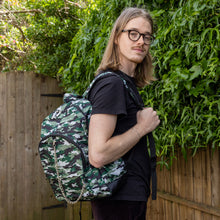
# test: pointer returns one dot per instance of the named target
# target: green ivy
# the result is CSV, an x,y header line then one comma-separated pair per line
x,y
13,43
68,41
186,58
48,33
89,43
187,66
51,31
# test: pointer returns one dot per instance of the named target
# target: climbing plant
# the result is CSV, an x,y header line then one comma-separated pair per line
x,y
66,39
186,60
187,93
37,34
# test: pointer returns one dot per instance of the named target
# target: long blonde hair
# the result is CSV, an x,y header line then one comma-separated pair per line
x,y
110,60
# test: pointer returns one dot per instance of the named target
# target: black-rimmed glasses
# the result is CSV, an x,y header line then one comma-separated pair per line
x,y
134,35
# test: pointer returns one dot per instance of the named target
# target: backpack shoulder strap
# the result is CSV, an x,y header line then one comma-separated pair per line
x,y
107,74
101,76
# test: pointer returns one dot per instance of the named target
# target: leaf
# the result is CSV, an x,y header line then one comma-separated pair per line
x,y
197,70
157,13
188,85
181,73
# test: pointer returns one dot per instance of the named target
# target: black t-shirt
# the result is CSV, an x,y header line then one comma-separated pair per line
x,y
109,96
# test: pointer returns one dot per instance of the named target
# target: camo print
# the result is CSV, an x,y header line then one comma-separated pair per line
x,y
67,127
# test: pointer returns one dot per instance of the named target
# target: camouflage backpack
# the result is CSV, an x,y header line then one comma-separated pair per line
x,y
63,150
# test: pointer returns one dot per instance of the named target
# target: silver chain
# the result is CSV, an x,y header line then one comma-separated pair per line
x,y
60,181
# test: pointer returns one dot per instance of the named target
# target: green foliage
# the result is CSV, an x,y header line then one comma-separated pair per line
x,y
89,43
47,32
186,52
51,31
71,37
187,66
13,44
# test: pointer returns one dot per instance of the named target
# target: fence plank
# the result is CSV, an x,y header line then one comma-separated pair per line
x,y
85,211
206,163
11,108
69,213
19,143
215,171
36,184
3,147
51,214
175,188
190,213
183,186
197,173
215,177
199,207
29,154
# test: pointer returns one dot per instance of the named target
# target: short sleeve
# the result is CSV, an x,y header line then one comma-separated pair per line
x,y
108,96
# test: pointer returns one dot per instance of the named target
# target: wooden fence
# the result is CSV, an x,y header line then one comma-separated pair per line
x,y
190,190
23,189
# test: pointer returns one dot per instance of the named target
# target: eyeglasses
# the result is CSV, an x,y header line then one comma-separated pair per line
x,y
134,35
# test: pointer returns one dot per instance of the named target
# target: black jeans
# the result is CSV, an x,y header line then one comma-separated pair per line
x,y
119,210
